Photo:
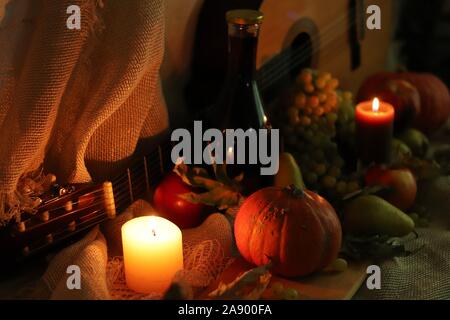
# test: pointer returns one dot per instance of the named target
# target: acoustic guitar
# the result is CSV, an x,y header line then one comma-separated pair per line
x,y
329,35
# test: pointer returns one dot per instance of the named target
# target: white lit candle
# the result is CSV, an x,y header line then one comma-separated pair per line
x,y
152,253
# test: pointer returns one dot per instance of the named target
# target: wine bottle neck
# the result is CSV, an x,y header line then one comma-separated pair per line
x,y
242,51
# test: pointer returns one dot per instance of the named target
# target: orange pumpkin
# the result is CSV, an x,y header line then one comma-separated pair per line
x,y
298,231
434,100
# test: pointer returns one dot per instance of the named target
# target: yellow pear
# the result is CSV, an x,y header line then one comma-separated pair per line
x,y
288,172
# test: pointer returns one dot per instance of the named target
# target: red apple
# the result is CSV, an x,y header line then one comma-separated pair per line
x,y
169,205
401,183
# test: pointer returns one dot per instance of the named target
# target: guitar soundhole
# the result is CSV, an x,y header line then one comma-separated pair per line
x,y
301,53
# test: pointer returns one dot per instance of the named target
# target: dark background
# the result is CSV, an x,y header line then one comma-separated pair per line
x,y
423,33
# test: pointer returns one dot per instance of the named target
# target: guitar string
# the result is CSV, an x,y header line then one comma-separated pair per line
x,y
330,20
122,186
270,79
327,31
267,78
122,190
121,197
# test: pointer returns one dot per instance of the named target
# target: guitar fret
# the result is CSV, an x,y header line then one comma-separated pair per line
x,y
130,186
147,183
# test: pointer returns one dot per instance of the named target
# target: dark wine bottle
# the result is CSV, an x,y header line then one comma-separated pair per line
x,y
240,105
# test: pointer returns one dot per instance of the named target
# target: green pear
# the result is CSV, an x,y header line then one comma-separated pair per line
x,y
416,141
288,172
371,215
399,148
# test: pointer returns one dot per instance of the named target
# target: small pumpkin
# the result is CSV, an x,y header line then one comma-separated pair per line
x,y
297,230
434,100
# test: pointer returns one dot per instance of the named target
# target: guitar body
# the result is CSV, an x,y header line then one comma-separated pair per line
x,y
325,32
326,23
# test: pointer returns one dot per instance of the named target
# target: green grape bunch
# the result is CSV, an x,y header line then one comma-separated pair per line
x,y
312,117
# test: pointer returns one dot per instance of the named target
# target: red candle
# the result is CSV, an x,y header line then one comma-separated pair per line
x,y
374,129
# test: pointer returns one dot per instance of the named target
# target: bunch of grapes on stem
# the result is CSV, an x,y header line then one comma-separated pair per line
x,y
311,118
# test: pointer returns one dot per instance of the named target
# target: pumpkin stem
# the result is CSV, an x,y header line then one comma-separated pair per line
x,y
295,191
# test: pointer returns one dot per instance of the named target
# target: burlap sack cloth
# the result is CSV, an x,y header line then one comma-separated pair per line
x,y
77,101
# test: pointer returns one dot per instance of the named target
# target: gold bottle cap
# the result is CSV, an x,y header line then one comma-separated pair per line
x,y
245,17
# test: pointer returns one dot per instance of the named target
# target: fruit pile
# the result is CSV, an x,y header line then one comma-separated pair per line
x,y
313,116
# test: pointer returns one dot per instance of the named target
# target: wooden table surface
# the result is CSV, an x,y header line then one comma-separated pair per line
x,y
320,286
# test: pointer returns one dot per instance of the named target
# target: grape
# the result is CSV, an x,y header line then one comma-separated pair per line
x,y
300,130
328,182
309,88
313,102
331,117
332,85
325,75
320,83
338,162
322,97
334,171
319,155
339,265
320,169
290,294
277,289
306,121
300,100
308,110
311,178
306,77
303,158
341,187
319,111
347,96
352,186
309,134
327,108
315,141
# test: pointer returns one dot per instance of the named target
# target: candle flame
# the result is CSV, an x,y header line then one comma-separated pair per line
x,y
230,150
375,105
265,119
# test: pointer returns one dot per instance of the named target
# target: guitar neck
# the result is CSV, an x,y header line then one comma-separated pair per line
x,y
62,218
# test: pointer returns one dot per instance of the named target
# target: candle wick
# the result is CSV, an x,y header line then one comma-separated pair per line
x,y
154,233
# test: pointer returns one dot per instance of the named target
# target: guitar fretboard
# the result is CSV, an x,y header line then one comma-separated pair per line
x,y
142,176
